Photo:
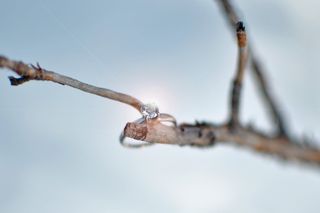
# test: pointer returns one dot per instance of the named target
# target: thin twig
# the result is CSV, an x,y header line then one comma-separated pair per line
x,y
259,73
277,115
28,73
237,82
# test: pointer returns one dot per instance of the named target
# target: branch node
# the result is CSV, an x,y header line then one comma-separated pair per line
x,y
212,137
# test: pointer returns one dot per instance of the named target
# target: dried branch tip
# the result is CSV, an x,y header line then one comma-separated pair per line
x,y
240,27
17,81
241,34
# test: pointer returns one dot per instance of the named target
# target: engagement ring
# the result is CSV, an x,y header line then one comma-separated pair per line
x,y
149,112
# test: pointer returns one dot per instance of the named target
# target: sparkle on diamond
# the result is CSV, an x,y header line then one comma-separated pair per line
x,y
149,111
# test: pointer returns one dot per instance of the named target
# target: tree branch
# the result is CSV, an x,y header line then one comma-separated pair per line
x,y
28,73
151,127
258,72
199,134
237,82
206,134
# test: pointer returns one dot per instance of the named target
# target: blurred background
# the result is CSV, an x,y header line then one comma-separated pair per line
x,y
59,149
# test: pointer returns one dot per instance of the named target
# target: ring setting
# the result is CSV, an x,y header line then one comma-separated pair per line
x,y
149,112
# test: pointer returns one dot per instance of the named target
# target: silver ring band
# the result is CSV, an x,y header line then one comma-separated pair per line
x,y
164,117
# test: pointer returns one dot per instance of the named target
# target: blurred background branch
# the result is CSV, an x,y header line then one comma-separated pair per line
x,y
276,115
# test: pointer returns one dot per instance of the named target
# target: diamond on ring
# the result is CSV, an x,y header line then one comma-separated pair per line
x,y
149,111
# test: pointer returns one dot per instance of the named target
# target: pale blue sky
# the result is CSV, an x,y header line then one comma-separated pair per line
x,y
59,149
